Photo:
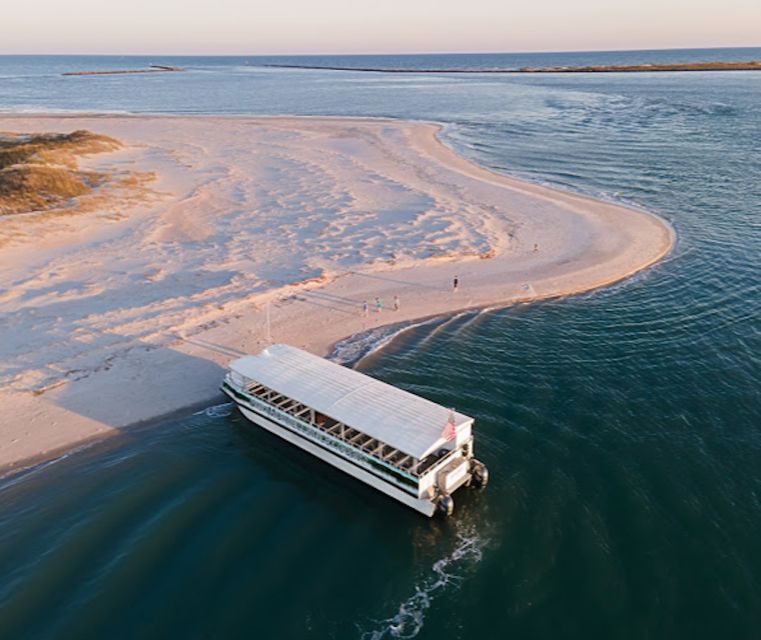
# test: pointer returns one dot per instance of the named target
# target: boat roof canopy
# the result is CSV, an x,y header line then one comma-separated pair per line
x,y
400,419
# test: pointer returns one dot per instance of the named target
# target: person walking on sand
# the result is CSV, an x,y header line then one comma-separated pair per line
x,y
396,303
455,284
378,305
536,247
365,309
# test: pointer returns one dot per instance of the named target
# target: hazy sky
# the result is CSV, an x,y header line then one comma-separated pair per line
x,y
381,26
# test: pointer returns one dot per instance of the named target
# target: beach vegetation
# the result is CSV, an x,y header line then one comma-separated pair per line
x,y
39,172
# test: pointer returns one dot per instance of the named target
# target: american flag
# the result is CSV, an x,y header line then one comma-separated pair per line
x,y
449,432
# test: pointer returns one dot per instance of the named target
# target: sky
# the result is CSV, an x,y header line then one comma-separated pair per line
x,y
251,27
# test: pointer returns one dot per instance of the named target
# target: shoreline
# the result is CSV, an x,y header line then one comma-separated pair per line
x,y
320,314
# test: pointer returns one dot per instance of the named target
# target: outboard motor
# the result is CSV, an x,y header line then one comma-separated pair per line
x,y
445,505
480,474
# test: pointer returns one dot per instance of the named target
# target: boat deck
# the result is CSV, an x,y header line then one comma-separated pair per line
x,y
397,424
356,439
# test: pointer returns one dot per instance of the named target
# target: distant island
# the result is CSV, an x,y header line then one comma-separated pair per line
x,y
154,68
752,65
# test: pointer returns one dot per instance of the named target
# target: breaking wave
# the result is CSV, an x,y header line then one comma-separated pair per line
x,y
360,345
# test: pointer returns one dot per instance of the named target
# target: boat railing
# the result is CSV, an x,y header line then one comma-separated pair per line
x,y
353,437
437,461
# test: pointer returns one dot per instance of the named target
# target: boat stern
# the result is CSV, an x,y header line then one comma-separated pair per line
x,y
456,469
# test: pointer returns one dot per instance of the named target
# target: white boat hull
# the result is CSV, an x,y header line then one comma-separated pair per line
x,y
426,507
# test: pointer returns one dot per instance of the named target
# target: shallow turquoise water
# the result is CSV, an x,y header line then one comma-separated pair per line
x,y
621,428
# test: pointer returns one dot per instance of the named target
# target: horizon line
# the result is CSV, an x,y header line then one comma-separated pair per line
x,y
402,53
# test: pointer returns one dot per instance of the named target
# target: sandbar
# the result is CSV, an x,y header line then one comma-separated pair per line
x,y
118,315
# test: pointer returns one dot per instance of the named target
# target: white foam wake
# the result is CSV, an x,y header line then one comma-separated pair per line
x,y
446,573
217,411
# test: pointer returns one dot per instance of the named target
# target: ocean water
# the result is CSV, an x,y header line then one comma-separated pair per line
x,y
622,428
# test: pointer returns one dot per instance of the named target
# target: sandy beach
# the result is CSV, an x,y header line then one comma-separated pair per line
x,y
129,311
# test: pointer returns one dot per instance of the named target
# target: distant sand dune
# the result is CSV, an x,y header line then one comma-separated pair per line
x,y
39,172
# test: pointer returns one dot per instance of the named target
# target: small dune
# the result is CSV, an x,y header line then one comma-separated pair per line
x,y
39,172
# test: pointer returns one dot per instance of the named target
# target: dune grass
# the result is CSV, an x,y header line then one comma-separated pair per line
x,y
40,172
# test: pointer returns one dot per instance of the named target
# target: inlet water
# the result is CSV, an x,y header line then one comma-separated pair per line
x,y
622,428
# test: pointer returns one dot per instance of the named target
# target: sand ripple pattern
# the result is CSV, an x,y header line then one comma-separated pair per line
x,y
241,209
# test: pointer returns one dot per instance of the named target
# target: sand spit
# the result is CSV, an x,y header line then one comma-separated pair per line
x,y
154,68
116,316
750,65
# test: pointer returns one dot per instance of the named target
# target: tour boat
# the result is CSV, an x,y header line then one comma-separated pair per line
x,y
410,448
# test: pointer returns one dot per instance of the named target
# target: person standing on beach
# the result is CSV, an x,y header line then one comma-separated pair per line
x,y
378,305
365,309
396,303
455,284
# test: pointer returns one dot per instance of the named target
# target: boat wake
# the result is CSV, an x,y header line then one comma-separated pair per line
x,y
354,348
217,411
16,476
446,573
